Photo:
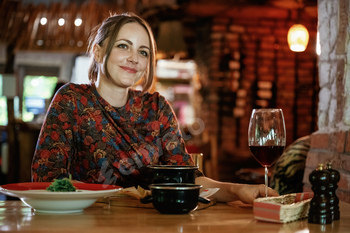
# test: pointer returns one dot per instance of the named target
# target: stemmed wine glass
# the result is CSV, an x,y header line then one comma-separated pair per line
x,y
266,137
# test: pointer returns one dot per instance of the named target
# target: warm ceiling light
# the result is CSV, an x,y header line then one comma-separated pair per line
x,y
43,21
298,38
61,21
78,22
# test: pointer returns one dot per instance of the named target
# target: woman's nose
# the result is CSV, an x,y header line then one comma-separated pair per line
x,y
133,57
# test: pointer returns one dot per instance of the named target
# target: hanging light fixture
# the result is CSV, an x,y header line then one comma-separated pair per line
x,y
298,38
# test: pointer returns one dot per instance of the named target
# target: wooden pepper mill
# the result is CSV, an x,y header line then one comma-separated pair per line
x,y
333,185
320,206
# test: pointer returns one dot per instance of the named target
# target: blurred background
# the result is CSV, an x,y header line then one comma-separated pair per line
x,y
217,60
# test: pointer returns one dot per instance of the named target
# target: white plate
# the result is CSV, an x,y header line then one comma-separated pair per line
x,y
37,197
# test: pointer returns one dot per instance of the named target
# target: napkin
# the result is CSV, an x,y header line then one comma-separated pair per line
x,y
207,193
130,197
137,193
140,193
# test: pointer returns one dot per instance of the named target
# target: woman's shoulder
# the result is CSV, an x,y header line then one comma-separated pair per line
x,y
74,89
72,92
154,100
154,97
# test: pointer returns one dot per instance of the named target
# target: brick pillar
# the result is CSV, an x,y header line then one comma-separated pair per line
x,y
333,147
331,143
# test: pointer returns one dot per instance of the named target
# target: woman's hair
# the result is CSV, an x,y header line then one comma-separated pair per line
x,y
107,32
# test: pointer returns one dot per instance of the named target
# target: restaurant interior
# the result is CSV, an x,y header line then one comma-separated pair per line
x,y
217,60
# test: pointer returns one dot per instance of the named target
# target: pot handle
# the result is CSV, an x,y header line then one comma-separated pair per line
x,y
203,200
146,199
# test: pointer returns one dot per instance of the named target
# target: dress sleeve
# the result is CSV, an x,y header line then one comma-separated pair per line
x,y
53,153
173,145
174,148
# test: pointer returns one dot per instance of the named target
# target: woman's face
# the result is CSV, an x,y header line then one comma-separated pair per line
x,y
129,57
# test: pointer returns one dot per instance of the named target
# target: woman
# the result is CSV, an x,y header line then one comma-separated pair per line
x,y
108,132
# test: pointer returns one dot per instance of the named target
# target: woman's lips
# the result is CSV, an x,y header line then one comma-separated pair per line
x,y
129,69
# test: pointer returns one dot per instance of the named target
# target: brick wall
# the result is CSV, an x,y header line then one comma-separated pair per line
x,y
333,147
331,143
241,52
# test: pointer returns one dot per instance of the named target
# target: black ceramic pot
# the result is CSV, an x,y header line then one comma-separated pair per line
x,y
172,198
172,174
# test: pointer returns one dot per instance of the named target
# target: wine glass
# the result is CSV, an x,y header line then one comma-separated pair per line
x,y
266,137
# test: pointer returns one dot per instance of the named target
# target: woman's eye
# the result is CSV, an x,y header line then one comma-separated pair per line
x,y
144,53
123,46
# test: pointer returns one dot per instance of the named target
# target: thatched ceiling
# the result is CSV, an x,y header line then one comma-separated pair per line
x,y
20,25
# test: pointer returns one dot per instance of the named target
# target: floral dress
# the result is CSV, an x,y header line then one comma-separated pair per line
x,y
84,136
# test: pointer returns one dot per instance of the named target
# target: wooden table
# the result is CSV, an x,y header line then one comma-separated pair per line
x,y
101,217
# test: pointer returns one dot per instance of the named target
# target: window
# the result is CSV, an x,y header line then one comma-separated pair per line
x,y
3,105
37,94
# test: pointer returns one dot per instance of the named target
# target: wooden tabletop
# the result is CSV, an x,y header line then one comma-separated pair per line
x,y
102,217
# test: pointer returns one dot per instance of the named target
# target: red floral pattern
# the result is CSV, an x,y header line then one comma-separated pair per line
x,y
88,138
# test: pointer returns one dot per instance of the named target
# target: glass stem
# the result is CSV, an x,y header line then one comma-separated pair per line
x,y
266,180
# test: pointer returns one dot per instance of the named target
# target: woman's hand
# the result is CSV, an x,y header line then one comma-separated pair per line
x,y
248,193
229,192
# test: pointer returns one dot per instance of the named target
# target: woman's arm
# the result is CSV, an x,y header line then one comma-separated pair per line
x,y
173,145
52,155
176,153
233,192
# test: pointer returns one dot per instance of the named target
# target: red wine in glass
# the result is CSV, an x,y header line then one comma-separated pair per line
x,y
266,155
266,137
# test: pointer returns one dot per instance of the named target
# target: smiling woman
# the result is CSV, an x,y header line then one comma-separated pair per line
x,y
127,63
107,131
131,39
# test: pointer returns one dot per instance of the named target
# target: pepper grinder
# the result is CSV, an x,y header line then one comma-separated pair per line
x,y
333,185
320,206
